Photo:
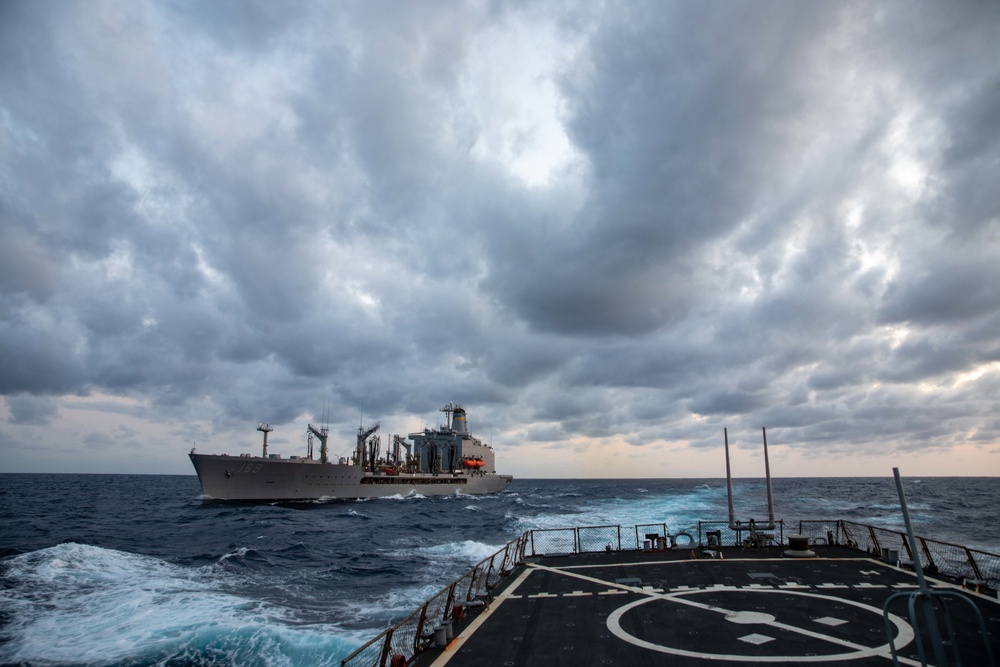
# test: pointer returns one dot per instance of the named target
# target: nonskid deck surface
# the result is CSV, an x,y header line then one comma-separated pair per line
x,y
656,608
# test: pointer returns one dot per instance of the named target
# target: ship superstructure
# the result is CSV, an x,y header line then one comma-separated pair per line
x,y
452,447
438,461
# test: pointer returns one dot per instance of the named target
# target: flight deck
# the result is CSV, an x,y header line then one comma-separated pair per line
x,y
726,606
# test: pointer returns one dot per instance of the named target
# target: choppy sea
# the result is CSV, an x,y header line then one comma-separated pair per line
x,y
139,570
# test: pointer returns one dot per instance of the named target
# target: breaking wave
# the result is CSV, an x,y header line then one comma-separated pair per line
x,y
75,603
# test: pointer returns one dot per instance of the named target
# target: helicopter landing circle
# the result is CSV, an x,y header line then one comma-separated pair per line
x,y
749,618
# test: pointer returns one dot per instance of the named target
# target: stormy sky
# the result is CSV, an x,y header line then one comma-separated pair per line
x,y
609,229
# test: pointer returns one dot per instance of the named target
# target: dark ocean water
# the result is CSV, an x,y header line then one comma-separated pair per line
x,y
138,570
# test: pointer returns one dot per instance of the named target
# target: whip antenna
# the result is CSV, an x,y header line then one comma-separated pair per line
x,y
729,482
770,493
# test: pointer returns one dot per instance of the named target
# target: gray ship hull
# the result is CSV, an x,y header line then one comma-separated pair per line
x,y
253,478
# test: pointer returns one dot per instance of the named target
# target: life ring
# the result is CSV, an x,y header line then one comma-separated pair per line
x,y
688,544
398,660
820,540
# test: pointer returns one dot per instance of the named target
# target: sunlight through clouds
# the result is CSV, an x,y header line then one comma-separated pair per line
x,y
517,101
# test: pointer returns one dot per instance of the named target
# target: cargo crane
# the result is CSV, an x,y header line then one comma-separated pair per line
x,y
322,434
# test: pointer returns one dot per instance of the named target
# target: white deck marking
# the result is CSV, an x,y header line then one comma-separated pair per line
x,y
749,617
482,618
904,633
903,637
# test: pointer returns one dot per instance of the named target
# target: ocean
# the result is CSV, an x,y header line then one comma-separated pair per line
x,y
139,570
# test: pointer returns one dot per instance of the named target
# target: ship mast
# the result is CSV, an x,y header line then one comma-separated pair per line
x,y
265,429
733,523
448,410
770,493
729,482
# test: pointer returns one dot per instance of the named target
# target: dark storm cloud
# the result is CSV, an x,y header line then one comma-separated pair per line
x,y
726,403
27,409
24,268
241,211
683,138
947,289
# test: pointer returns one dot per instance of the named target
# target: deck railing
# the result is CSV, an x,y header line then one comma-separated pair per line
x,y
582,539
416,632
979,568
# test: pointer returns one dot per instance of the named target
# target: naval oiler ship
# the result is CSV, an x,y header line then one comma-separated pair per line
x,y
435,462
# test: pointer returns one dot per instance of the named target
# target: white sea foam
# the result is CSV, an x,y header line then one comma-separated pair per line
x,y
467,551
412,495
387,605
240,552
895,507
74,603
679,512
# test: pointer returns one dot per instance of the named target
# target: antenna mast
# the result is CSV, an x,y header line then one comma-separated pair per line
x,y
729,485
729,482
265,429
448,409
770,493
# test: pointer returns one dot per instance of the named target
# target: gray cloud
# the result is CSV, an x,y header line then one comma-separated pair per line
x,y
33,410
946,289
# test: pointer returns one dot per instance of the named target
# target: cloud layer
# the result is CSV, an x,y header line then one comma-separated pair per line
x,y
607,229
